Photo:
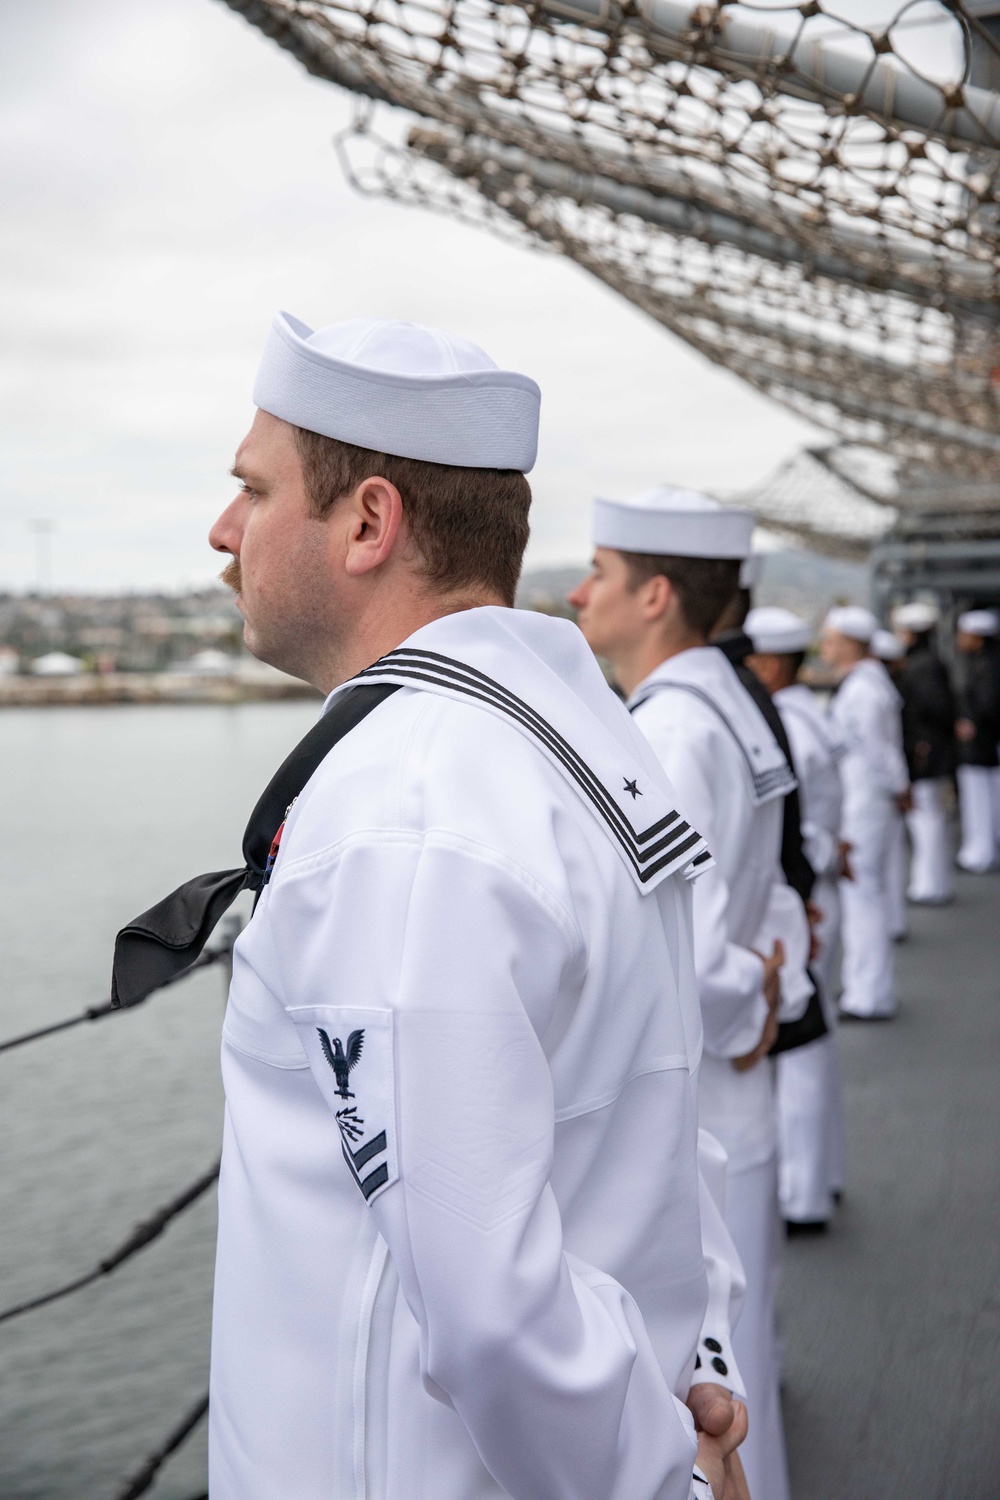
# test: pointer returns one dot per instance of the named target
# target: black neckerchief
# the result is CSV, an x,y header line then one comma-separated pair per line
x,y
164,941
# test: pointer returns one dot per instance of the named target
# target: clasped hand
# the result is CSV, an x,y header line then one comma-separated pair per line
x,y
772,994
721,1424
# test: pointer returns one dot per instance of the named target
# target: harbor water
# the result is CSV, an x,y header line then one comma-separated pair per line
x,y
102,811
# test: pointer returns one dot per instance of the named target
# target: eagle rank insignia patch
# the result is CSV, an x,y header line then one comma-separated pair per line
x,y
354,1068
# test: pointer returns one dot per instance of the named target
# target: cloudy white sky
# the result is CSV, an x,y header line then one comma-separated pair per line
x,y
168,180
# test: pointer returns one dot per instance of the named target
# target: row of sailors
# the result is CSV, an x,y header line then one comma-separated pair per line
x,y
699,681
951,729
809,873
796,806
512,947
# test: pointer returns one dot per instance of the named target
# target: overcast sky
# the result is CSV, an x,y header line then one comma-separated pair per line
x,y
167,181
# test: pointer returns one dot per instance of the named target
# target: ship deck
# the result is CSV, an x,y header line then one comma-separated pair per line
x,y
891,1322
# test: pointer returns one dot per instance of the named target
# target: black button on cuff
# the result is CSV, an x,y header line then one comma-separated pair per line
x,y
713,1344
697,1361
720,1366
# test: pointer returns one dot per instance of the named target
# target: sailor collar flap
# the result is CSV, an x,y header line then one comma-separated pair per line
x,y
872,676
652,838
798,700
705,673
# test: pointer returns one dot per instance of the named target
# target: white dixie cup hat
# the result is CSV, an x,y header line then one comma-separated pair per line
x,y
668,522
981,622
399,388
886,646
917,616
857,623
777,631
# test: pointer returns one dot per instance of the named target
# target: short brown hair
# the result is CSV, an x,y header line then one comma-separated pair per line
x,y
469,525
704,585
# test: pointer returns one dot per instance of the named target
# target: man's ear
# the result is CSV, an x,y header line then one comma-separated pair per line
x,y
373,518
658,597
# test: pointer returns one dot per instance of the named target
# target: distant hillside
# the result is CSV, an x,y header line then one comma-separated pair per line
x,y
546,588
810,584
802,581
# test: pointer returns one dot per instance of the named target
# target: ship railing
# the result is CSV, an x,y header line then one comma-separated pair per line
x,y
143,1476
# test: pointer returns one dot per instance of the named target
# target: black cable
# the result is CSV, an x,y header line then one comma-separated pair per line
x,y
97,1012
141,1236
138,1483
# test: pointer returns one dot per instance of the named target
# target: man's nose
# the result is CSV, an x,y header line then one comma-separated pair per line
x,y
227,533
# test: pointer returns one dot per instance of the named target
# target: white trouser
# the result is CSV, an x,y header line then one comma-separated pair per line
x,y
931,877
826,970
752,1217
808,1091
805,1183
896,878
869,971
975,800
826,966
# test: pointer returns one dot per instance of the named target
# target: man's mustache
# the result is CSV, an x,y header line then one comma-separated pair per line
x,y
230,575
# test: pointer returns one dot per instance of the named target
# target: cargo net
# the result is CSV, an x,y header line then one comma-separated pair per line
x,y
806,194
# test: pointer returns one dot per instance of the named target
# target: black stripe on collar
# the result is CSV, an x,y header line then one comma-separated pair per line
x,y
777,779
679,839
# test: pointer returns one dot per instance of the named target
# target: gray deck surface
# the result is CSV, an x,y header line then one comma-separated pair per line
x,y
892,1321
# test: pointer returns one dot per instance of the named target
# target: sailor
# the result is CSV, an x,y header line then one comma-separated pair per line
x,y
664,569
929,746
977,730
866,709
890,651
733,641
460,1241
808,1083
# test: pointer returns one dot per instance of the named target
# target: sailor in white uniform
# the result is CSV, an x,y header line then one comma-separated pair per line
x,y
866,709
665,567
808,1083
460,1247
890,651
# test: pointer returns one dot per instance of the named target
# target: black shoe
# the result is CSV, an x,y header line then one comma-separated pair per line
x,y
800,1229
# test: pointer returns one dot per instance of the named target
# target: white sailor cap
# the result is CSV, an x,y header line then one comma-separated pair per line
x,y
983,622
399,388
886,646
673,523
853,621
777,631
916,616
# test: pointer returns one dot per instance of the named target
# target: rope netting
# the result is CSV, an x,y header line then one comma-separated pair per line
x,y
807,193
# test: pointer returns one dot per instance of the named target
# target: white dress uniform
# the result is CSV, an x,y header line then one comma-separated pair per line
x,y
932,878
866,709
886,647
978,809
897,880
460,1253
810,1103
731,775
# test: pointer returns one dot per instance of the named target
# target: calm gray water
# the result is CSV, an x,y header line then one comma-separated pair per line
x,y
101,812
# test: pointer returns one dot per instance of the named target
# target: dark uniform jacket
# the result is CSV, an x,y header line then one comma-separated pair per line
x,y
928,713
977,683
736,646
